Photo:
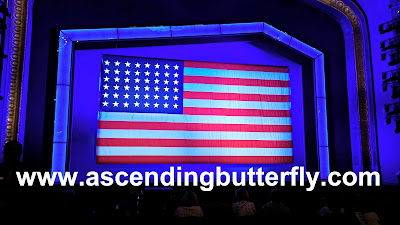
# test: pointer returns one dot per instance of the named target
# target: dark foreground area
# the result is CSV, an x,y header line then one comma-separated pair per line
x,y
272,205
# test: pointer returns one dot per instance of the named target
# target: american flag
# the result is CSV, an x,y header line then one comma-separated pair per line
x,y
173,111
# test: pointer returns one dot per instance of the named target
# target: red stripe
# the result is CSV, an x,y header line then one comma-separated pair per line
x,y
230,66
194,159
235,112
192,126
236,81
149,142
235,96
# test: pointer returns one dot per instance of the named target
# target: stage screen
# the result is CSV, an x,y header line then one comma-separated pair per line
x,y
197,106
172,111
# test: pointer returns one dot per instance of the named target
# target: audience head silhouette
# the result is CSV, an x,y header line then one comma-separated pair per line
x,y
190,207
12,152
241,194
276,195
189,199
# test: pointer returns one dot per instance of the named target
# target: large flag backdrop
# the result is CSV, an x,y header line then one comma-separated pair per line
x,y
172,111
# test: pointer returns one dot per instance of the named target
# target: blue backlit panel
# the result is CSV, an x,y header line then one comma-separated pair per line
x,y
92,34
242,28
319,76
323,153
304,48
276,34
64,59
322,122
59,154
195,30
61,114
144,32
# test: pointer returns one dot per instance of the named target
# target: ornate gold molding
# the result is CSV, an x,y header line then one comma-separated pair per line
x,y
361,77
16,57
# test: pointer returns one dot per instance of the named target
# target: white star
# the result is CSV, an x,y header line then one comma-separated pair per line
x,y
105,103
147,88
166,82
137,65
147,65
166,89
175,106
105,95
117,63
116,71
156,96
127,80
176,98
166,66
107,71
166,74
147,73
176,75
176,89
176,82
146,104
136,96
166,105
107,63
126,95
136,104
127,72
157,66
128,64
147,80
115,104
166,97
156,105
176,67
156,81
126,104
137,73
156,74
137,80
116,87
106,87
106,79
115,95
116,79
146,96
126,87
136,88
156,88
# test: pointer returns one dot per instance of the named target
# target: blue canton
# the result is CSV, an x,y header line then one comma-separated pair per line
x,y
141,85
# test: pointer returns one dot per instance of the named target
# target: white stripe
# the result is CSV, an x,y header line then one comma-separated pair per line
x,y
237,89
175,118
205,103
173,151
194,135
235,74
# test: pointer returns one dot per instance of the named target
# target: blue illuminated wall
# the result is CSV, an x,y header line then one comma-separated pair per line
x,y
388,141
86,94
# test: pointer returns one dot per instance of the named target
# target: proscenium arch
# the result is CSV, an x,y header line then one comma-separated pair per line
x,y
16,72
353,21
67,38
359,76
